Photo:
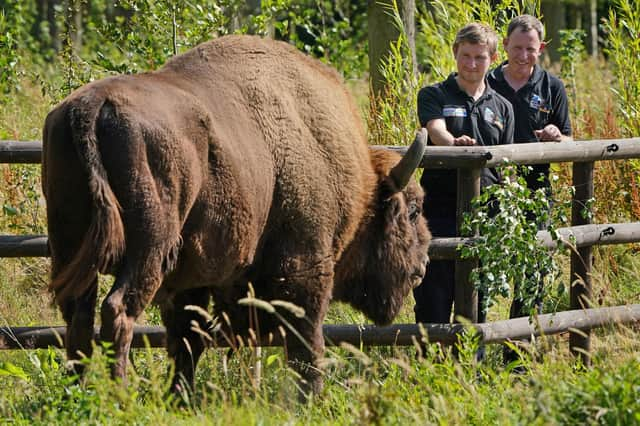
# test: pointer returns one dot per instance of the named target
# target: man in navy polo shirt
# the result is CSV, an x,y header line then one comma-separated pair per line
x,y
538,98
462,110
539,103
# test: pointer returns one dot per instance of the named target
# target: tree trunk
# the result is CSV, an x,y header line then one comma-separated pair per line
x,y
383,31
53,26
409,23
554,18
36,29
591,23
253,6
575,18
77,27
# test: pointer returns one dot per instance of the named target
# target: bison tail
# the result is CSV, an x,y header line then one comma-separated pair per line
x,y
104,242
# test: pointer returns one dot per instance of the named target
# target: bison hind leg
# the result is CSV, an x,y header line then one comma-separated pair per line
x,y
187,323
79,314
136,283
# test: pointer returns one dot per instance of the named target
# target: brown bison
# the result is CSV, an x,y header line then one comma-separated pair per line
x,y
240,163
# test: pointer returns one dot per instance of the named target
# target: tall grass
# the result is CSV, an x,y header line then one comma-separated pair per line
x,y
391,116
623,36
362,387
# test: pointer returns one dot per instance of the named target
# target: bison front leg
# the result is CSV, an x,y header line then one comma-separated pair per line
x,y
303,357
305,347
185,346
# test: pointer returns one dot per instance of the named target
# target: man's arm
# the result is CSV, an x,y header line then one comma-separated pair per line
x,y
439,134
430,105
559,127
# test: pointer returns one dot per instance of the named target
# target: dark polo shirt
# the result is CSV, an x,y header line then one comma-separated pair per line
x,y
489,120
542,101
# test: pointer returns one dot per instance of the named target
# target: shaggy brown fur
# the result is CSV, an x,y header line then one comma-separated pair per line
x,y
241,161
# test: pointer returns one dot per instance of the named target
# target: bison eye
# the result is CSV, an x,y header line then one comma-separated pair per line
x,y
414,211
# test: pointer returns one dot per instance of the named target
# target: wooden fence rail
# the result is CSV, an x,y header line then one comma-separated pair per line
x,y
13,152
441,248
369,335
469,161
442,156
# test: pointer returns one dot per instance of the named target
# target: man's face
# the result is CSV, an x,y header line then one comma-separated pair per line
x,y
523,49
473,61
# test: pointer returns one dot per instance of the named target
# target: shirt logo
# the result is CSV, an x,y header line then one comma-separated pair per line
x,y
491,117
537,103
454,111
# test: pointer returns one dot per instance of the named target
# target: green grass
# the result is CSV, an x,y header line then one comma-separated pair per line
x,y
378,386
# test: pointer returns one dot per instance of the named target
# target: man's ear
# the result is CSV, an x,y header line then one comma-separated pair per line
x,y
542,46
505,41
494,56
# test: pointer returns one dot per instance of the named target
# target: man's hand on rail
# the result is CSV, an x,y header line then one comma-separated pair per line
x,y
550,133
464,140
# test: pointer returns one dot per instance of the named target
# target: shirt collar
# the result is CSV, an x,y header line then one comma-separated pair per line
x,y
453,84
498,73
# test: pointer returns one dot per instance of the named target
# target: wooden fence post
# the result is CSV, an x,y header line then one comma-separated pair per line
x,y
581,259
466,296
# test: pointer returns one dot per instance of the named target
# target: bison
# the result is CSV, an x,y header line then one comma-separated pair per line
x,y
240,163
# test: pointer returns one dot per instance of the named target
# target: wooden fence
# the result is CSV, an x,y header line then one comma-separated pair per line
x,y
469,161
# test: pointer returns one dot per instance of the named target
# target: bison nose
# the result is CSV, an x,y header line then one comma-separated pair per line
x,y
422,269
418,275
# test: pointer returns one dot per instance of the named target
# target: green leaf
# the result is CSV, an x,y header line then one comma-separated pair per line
x,y
9,210
9,369
271,359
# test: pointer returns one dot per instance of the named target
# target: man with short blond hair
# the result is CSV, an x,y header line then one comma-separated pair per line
x,y
462,110
477,33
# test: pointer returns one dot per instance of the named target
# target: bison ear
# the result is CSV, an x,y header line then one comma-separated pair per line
x,y
393,208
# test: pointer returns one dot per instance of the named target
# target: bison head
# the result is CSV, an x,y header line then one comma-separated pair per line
x,y
388,257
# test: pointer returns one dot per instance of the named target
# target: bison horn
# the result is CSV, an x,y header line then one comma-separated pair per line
x,y
402,172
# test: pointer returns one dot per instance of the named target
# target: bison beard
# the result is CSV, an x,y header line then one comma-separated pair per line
x,y
241,161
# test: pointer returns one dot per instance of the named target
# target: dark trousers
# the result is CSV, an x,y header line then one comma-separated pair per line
x,y
434,296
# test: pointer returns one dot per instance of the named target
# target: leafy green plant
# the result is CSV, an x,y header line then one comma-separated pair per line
x,y
623,48
572,53
506,241
9,58
148,33
333,31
